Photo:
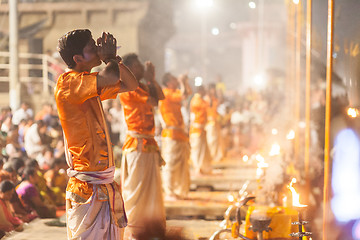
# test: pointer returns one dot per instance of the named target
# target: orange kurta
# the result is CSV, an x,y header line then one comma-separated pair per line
x,y
81,116
170,109
139,117
212,114
198,114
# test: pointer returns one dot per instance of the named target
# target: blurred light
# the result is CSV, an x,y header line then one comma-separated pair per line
x,y
262,165
259,80
233,25
230,198
259,158
356,230
274,131
302,124
290,135
275,150
334,55
215,31
252,5
353,112
296,1
245,158
346,176
204,3
198,81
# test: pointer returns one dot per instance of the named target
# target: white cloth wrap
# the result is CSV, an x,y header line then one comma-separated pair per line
x,y
98,177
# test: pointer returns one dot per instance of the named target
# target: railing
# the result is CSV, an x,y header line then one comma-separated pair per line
x,y
38,71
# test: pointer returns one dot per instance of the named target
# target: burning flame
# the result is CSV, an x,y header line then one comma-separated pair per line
x,y
353,112
260,165
275,150
231,198
291,135
295,195
245,158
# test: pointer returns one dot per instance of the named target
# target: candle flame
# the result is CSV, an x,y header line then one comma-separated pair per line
x,y
291,135
284,200
230,198
295,195
275,150
353,112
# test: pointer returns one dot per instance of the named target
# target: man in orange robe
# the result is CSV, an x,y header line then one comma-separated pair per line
x,y
213,130
93,200
141,179
175,148
200,154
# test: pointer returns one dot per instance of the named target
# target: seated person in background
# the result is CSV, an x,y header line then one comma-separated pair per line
x,y
46,193
30,195
56,179
8,221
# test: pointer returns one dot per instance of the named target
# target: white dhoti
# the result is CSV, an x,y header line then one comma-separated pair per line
x,y
142,191
200,154
102,216
213,137
91,220
176,175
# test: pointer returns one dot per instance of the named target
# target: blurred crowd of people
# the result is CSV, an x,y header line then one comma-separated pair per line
x,y
33,175
32,166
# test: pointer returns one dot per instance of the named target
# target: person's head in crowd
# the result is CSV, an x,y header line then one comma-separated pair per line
x,y
32,163
17,164
5,175
78,49
2,160
170,81
200,90
5,111
59,163
9,173
41,126
212,89
132,61
30,174
25,106
7,189
13,135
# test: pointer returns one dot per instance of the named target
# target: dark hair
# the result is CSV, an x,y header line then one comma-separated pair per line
x,y
28,171
73,43
129,59
16,163
166,78
6,185
31,163
58,162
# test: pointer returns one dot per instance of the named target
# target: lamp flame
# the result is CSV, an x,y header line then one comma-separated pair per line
x,y
275,149
353,112
230,198
295,195
291,135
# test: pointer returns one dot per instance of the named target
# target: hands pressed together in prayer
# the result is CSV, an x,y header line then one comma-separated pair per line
x,y
107,48
149,74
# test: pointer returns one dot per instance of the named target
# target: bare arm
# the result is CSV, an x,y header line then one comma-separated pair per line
x,y
184,85
128,80
149,76
115,72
